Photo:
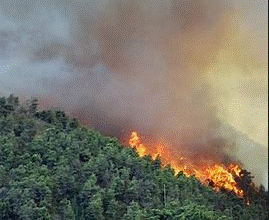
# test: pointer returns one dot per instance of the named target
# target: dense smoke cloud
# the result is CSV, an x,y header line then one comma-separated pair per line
x,y
189,74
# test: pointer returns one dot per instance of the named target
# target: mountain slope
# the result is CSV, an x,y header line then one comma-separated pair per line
x,y
53,168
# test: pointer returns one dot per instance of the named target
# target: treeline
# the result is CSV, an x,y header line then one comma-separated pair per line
x,y
53,168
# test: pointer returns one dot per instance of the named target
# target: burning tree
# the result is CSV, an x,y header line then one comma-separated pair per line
x,y
230,178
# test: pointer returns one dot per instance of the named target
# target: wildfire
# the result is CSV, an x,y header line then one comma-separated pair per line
x,y
135,143
217,175
223,178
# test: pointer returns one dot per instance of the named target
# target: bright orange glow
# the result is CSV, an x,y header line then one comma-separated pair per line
x,y
222,178
135,142
217,175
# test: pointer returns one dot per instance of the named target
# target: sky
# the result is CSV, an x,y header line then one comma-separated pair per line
x,y
190,74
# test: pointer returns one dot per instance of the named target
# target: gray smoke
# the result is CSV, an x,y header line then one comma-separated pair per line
x,y
189,74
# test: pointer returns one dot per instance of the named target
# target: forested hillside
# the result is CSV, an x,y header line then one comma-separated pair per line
x,y
53,168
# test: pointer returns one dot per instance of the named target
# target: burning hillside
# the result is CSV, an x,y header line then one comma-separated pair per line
x,y
53,168
216,175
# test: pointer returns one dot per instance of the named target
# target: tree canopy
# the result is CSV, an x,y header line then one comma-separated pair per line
x,y
51,167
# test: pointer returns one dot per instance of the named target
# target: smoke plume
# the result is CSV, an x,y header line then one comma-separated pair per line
x,y
189,74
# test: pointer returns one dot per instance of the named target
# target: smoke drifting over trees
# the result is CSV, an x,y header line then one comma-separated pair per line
x,y
191,75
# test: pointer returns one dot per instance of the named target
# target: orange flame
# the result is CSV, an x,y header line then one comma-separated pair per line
x,y
218,175
135,143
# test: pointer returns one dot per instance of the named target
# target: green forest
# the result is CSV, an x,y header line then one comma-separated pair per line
x,y
52,167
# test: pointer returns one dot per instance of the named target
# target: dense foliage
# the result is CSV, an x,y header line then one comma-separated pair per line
x,y
53,168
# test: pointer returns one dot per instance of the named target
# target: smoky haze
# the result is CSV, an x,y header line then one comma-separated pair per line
x,y
191,75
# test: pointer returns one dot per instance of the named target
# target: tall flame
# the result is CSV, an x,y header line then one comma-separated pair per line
x,y
217,175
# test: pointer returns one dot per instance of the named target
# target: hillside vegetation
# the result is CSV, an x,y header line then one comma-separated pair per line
x,y
53,168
